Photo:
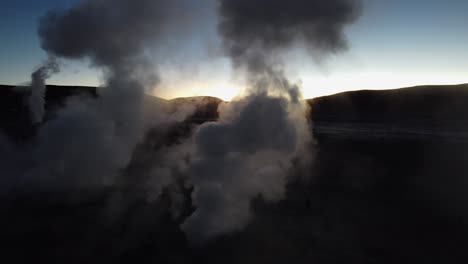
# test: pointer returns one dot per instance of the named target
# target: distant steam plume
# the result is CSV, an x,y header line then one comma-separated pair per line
x,y
249,152
36,100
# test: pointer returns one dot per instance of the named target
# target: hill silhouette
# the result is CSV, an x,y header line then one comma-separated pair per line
x,y
405,111
407,105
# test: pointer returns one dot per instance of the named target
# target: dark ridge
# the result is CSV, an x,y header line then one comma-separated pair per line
x,y
14,113
57,95
403,111
422,112
206,107
15,119
416,104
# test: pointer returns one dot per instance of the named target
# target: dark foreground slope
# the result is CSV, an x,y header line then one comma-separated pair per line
x,y
425,111
388,186
391,174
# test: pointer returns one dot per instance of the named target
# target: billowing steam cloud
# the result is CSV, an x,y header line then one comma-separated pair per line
x,y
36,100
91,141
113,34
254,31
249,152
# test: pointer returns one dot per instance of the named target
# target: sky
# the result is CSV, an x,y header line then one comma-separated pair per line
x,y
394,44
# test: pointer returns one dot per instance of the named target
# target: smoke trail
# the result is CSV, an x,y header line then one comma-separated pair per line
x,y
36,100
249,152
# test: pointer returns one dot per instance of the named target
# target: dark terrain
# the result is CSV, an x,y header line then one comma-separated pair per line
x,y
388,186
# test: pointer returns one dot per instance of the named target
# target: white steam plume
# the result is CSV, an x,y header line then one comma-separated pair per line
x,y
250,151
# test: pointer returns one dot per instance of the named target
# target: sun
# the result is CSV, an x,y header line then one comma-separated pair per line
x,y
225,91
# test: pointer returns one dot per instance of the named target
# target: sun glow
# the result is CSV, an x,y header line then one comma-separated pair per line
x,y
316,85
217,88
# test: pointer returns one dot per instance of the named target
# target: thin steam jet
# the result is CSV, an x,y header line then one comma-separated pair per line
x,y
36,100
249,152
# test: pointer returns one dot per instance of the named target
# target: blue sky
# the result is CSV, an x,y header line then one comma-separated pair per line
x,y
395,43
